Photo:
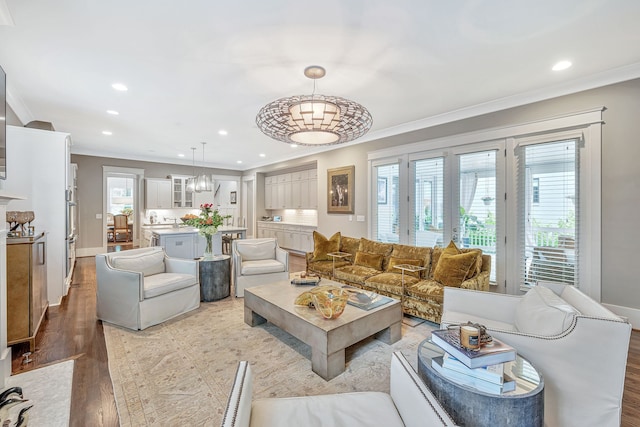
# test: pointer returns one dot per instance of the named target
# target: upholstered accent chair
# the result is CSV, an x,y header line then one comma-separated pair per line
x,y
409,403
144,287
256,262
579,346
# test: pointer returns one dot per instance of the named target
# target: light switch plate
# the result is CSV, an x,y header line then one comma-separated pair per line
x,y
360,218
98,216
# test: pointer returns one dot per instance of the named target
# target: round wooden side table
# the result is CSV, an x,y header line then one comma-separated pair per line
x,y
215,277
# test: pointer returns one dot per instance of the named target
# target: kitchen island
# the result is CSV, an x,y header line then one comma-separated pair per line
x,y
186,242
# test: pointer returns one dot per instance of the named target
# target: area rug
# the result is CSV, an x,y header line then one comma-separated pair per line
x,y
181,372
49,388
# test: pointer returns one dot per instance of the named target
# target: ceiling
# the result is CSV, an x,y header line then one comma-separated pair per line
x,y
195,68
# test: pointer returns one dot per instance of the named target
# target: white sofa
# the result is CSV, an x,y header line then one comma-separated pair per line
x,y
578,345
409,403
143,287
256,262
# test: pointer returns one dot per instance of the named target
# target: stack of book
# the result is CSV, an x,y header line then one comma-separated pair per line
x,y
482,369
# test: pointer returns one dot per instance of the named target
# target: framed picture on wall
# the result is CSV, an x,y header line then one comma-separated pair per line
x,y
382,190
340,183
234,197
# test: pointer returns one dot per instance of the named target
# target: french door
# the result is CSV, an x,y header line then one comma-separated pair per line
x,y
431,198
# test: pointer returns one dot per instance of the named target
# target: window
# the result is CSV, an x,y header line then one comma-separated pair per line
x,y
120,191
528,195
428,196
535,188
477,203
387,215
549,228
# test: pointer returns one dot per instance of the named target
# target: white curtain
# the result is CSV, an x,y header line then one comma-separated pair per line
x,y
468,185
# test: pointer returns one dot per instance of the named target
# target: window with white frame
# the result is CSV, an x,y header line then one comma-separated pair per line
x,y
548,226
528,195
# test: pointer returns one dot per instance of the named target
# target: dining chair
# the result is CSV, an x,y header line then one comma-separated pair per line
x,y
120,225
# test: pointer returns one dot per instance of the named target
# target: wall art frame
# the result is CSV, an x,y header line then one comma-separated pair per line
x,y
340,194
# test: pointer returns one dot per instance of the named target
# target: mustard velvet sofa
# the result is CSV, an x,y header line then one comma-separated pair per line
x,y
370,266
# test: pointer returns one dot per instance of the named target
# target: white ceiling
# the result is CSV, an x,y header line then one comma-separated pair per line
x,y
193,68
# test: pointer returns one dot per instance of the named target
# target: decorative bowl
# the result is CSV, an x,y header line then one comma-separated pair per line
x,y
330,303
188,217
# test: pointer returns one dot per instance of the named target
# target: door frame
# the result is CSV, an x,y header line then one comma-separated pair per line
x,y
138,180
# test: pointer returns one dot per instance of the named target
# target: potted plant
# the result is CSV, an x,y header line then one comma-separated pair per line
x,y
207,224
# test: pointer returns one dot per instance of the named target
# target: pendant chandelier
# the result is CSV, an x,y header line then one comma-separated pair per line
x,y
191,182
314,120
203,181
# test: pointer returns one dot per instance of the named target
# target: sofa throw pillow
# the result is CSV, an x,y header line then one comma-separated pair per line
x,y
148,264
476,268
453,266
393,261
323,246
367,259
542,312
256,249
374,247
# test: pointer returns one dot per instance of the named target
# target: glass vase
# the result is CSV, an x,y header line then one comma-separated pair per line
x,y
208,250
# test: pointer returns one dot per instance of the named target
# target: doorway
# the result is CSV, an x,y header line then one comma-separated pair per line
x,y
248,206
121,208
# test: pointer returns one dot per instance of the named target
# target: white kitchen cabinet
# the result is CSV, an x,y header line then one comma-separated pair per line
x,y
179,245
306,241
268,197
296,190
157,193
180,197
294,237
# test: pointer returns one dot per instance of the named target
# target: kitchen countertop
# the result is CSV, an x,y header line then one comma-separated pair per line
x,y
189,230
287,223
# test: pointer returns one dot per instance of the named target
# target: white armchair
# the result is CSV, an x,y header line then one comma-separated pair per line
x,y
256,262
143,287
409,403
579,346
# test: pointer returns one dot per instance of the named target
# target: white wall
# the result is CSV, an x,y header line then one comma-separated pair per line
x,y
37,169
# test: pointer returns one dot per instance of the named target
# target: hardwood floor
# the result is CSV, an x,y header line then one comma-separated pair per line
x,y
71,331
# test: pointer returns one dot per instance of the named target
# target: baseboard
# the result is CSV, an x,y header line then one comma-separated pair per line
x,y
632,314
82,252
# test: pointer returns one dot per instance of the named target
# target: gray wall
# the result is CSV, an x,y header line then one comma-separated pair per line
x,y
90,195
620,174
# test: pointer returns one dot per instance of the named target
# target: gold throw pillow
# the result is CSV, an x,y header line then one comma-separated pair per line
x,y
367,259
323,246
453,266
393,261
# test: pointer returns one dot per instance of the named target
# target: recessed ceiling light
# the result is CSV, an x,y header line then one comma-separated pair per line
x,y
180,155
562,65
107,132
239,161
294,145
222,132
112,112
120,87
262,155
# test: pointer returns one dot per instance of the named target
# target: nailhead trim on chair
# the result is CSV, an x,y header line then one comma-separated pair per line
x,y
559,336
243,366
411,374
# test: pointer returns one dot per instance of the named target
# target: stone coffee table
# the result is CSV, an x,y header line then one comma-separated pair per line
x,y
327,338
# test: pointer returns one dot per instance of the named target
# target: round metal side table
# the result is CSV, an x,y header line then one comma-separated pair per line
x,y
469,406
